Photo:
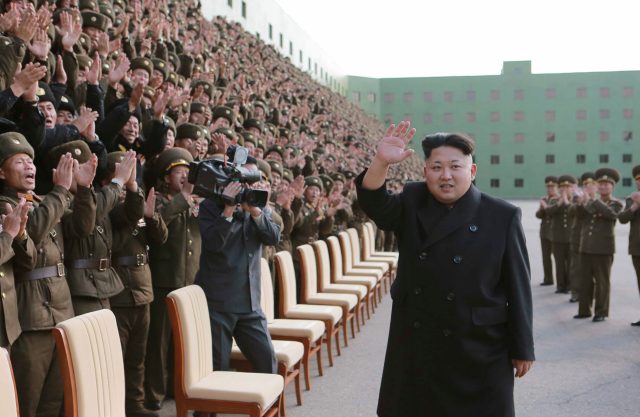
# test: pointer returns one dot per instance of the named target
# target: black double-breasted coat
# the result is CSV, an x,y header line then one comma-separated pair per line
x,y
462,305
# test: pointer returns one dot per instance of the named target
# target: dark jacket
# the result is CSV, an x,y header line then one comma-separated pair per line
x,y
461,303
632,217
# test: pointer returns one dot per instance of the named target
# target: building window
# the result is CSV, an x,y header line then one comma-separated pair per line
x,y
550,159
628,114
604,136
495,159
519,137
550,93
518,183
427,97
371,97
495,116
550,137
471,95
244,9
230,3
495,95
355,96
626,158
448,117
388,118
407,97
518,159
389,97
604,158
581,158
448,96
604,114
627,135
270,30
290,48
495,138
494,183
581,136
626,182
581,115
550,115
309,62
627,92
315,68
471,117
518,95
581,92
604,92
428,118
518,116
281,40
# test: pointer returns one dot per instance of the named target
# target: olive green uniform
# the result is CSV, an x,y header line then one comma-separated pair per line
x,y
545,243
576,223
633,217
560,241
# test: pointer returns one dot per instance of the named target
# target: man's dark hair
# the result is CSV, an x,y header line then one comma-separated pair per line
x,y
455,140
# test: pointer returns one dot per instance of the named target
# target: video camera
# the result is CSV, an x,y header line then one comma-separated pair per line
x,y
210,177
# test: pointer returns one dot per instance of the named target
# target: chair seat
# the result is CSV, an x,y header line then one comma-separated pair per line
x,y
385,259
359,291
386,254
342,300
263,389
311,329
368,282
315,312
287,352
383,266
366,272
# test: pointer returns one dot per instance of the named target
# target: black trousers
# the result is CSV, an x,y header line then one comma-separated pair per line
x,y
546,260
562,257
251,335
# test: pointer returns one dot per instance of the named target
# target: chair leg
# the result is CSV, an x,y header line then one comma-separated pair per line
x,y
282,410
357,323
305,364
329,327
181,410
297,385
345,326
337,335
319,358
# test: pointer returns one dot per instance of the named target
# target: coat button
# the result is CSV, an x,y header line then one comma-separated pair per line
x,y
1,274
416,324
473,228
446,332
422,256
457,259
451,296
4,296
251,255
46,304
417,291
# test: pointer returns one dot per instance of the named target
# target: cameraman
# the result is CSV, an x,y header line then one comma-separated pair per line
x,y
232,239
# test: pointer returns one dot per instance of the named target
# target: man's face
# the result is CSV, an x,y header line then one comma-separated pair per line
x,y
188,144
258,113
275,179
171,139
566,190
19,172
638,183
275,156
65,117
605,188
196,118
448,173
176,178
591,188
220,122
552,190
258,153
338,187
93,33
250,148
312,194
130,130
50,115
140,76
256,132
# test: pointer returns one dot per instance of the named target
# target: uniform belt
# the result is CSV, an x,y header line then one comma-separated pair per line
x,y
137,260
44,272
101,264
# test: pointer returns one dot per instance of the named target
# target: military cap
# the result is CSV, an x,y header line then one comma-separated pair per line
x,y
225,112
171,158
295,151
338,176
273,129
119,3
313,180
635,171
66,103
260,144
172,125
608,174
327,182
206,133
226,131
188,130
149,91
265,168
78,149
197,107
142,63
85,42
287,175
319,150
194,27
172,78
114,158
94,20
175,60
12,143
44,93
181,80
248,137
276,148
349,175
551,180
262,104
161,65
567,180
284,132
587,177
88,5
207,86
258,124
276,166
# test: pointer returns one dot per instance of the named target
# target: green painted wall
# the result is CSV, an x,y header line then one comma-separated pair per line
x,y
574,119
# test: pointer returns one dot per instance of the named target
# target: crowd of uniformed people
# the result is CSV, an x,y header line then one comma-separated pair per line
x,y
104,104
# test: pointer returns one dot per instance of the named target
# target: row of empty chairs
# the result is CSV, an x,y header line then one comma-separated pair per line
x,y
341,281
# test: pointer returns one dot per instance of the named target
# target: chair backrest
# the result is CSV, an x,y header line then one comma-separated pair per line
x,y
266,293
8,394
367,241
286,281
336,258
92,365
345,247
308,272
191,328
354,239
324,264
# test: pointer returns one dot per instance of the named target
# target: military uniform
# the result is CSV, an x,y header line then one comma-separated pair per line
x,y
558,210
597,246
546,236
632,216
577,214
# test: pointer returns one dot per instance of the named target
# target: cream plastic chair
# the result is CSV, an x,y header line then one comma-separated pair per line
x,y
290,309
357,263
323,262
369,227
197,385
349,268
307,332
338,277
8,394
91,364
310,294
369,253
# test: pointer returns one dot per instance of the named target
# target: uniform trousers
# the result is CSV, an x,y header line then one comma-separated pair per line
x,y
82,305
636,266
133,327
547,267
562,257
596,274
158,375
37,372
574,271
251,335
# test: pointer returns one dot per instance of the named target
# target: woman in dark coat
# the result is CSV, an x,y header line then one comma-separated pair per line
x,y
462,312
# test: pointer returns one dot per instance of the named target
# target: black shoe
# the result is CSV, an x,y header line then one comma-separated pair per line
x,y
597,318
573,299
141,412
636,324
582,316
544,284
153,405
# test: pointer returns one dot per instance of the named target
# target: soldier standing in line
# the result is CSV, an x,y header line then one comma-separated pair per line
x,y
558,210
597,246
173,265
631,215
42,292
551,183
131,307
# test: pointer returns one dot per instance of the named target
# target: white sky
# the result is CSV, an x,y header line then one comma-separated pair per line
x,y
403,38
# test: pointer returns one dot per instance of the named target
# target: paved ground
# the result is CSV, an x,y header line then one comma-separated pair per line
x,y
584,369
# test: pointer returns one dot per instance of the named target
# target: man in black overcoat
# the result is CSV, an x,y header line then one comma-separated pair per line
x,y
462,311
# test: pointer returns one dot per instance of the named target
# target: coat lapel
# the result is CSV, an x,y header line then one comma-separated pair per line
x,y
442,226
